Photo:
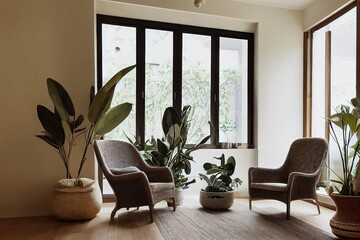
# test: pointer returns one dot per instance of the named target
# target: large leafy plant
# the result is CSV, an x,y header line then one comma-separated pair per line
x,y
63,126
172,150
219,179
347,118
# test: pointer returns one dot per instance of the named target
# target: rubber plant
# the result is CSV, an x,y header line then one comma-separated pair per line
x,y
347,118
220,175
63,126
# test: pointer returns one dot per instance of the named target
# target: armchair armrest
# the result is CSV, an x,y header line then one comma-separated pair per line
x,y
300,177
159,174
261,175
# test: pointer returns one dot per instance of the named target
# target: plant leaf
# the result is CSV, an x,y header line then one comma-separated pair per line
x,y
170,118
112,118
102,99
61,99
52,124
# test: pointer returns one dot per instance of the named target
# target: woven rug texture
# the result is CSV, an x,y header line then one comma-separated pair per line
x,y
196,223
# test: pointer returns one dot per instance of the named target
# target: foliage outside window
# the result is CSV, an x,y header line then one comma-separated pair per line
x,y
177,65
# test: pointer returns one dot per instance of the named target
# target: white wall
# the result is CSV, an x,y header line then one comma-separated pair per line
x,y
39,39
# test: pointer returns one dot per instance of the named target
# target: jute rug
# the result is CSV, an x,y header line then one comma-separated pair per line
x,y
196,223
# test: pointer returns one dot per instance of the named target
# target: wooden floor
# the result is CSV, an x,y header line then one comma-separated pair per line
x,y
132,224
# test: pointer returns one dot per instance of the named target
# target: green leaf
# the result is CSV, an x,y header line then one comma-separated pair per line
x,y
49,140
103,98
170,118
52,124
204,177
208,166
187,167
60,99
356,102
112,118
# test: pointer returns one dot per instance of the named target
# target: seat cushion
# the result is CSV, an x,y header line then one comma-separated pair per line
x,y
119,171
279,187
159,186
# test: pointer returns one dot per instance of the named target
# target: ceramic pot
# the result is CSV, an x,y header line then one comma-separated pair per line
x,y
76,203
346,221
216,200
179,197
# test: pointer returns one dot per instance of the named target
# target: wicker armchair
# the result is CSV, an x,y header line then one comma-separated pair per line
x,y
295,179
134,183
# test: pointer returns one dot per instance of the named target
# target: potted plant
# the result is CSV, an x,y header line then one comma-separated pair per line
x,y
218,193
345,189
62,128
172,150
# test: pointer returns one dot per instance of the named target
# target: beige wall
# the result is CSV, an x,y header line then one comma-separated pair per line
x,y
39,39
320,9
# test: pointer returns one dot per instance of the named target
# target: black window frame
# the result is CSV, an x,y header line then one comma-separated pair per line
x,y
178,30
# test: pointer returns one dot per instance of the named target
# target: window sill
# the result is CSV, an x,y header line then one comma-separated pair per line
x,y
325,199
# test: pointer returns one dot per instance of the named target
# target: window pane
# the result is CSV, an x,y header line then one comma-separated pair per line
x,y
119,51
196,83
343,82
233,91
158,79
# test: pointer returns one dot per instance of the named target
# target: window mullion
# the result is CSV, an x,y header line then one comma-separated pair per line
x,y
177,70
215,51
140,83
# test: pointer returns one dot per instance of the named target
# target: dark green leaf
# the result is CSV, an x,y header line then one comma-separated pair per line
x,y
52,124
60,99
170,118
48,140
79,120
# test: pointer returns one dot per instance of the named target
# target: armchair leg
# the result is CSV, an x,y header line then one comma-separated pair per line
x,y
250,203
151,214
288,211
174,203
114,212
317,205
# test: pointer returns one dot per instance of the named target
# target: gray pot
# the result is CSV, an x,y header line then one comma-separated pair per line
x,y
216,200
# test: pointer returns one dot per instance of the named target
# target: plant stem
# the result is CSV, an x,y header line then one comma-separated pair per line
x,y
89,138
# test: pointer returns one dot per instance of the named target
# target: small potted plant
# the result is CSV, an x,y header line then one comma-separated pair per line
x,y
218,193
77,198
345,187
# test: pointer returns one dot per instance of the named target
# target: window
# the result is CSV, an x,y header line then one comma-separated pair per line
x,y
333,76
177,65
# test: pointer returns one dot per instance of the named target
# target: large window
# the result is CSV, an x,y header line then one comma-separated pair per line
x,y
332,78
177,65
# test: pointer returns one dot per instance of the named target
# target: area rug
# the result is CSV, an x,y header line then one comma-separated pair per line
x,y
195,223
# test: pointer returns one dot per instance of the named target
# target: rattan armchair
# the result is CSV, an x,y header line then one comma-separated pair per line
x,y
295,179
134,182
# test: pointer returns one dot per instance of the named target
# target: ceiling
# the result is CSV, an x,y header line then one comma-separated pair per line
x,y
288,4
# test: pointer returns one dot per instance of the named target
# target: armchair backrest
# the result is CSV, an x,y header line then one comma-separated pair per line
x,y
306,155
117,154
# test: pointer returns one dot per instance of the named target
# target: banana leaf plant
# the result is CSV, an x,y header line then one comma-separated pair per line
x,y
220,176
172,150
63,126
347,118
